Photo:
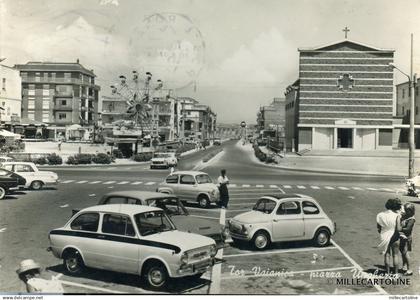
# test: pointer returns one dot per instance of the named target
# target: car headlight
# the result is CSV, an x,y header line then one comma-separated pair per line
x,y
184,258
213,250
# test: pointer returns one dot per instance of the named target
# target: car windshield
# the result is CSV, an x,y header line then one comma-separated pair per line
x,y
265,205
171,206
161,155
153,222
203,178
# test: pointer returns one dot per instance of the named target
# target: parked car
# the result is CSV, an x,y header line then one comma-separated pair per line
x,y
192,186
5,158
164,160
35,179
9,181
174,208
280,218
132,239
217,142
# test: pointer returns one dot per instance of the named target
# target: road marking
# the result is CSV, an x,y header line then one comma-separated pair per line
x,y
357,188
287,186
150,183
95,182
92,195
65,205
314,187
67,181
82,181
243,203
109,182
280,251
329,188
216,270
356,265
343,188
232,185
274,186
246,185
292,273
388,190
136,182
371,189
89,287
3,229
204,217
123,182
301,187
259,186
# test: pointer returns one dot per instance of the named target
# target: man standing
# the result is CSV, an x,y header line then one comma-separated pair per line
x,y
223,182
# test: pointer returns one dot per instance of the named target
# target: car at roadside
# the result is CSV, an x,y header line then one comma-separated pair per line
x,y
217,142
281,218
9,181
164,160
35,179
191,186
174,208
5,159
133,239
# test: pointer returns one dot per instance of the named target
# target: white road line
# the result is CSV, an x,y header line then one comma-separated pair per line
x,y
67,181
274,186
291,273
329,188
232,185
287,186
357,188
356,265
280,251
109,182
246,185
150,183
82,181
204,217
343,188
371,189
259,186
387,190
314,187
89,287
302,187
137,182
242,203
123,182
95,182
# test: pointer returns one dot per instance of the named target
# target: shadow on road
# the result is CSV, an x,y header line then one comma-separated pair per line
x,y
243,245
175,285
9,197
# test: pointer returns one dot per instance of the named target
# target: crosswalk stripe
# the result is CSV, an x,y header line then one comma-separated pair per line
x,y
232,185
314,187
287,186
372,189
274,186
357,188
246,185
259,185
82,181
123,182
150,183
343,188
301,187
109,182
329,188
387,190
67,181
137,182
95,182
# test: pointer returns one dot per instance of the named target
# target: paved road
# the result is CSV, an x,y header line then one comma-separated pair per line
x,y
351,201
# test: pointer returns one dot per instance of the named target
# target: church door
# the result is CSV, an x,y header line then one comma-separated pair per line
x,y
344,138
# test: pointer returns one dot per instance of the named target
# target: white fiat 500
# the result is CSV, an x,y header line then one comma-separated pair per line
x,y
131,239
281,218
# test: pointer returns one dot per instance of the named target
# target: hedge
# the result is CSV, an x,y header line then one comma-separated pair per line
x,y
102,158
146,156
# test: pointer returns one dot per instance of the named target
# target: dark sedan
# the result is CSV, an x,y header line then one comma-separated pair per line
x,y
9,181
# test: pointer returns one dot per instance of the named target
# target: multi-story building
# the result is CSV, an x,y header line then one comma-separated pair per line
x,y
292,116
345,97
59,95
272,116
10,94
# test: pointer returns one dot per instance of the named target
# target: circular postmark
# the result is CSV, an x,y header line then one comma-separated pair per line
x,y
170,46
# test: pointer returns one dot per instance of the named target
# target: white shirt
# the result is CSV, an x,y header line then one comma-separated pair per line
x,y
222,180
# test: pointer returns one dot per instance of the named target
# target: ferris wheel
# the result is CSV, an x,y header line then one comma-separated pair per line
x,y
137,93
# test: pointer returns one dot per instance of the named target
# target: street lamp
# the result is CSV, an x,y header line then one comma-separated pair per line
x,y
412,78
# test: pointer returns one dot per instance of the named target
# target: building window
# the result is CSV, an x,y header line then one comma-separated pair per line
x,y
45,104
3,84
45,116
385,137
37,77
45,76
31,90
62,116
63,102
31,104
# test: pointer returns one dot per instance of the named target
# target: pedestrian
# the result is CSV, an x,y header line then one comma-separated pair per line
x,y
30,272
406,239
223,182
59,145
389,226
172,169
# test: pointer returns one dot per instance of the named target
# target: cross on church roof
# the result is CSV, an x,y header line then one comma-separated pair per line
x,y
345,82
346,30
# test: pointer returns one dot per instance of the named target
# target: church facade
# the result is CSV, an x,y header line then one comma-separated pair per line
x,y
345,98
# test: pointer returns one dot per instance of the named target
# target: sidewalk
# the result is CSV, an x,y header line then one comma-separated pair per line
x,y
346,164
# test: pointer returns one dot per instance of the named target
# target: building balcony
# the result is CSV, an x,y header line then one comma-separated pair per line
x,y
56,80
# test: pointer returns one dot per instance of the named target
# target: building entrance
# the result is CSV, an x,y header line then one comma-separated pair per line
x,y
344,138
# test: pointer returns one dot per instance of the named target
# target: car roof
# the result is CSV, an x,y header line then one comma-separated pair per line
x,y
287,196
193,173
142,195
127,209
17,163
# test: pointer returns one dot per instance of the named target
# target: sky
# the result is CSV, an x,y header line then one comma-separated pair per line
x,y
234,55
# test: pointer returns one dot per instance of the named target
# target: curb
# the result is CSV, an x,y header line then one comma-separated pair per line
x,y
92,165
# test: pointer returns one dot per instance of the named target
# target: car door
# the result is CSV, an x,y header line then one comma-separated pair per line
x,y
119,251
187,188
172,182
26,171
312,217
288,221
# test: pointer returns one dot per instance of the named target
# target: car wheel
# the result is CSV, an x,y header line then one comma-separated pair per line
x,y
322,238
261,240
2,192
73,263
36,185
156,276
203,202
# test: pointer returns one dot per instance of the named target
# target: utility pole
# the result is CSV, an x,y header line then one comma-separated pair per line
x,y
411,141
